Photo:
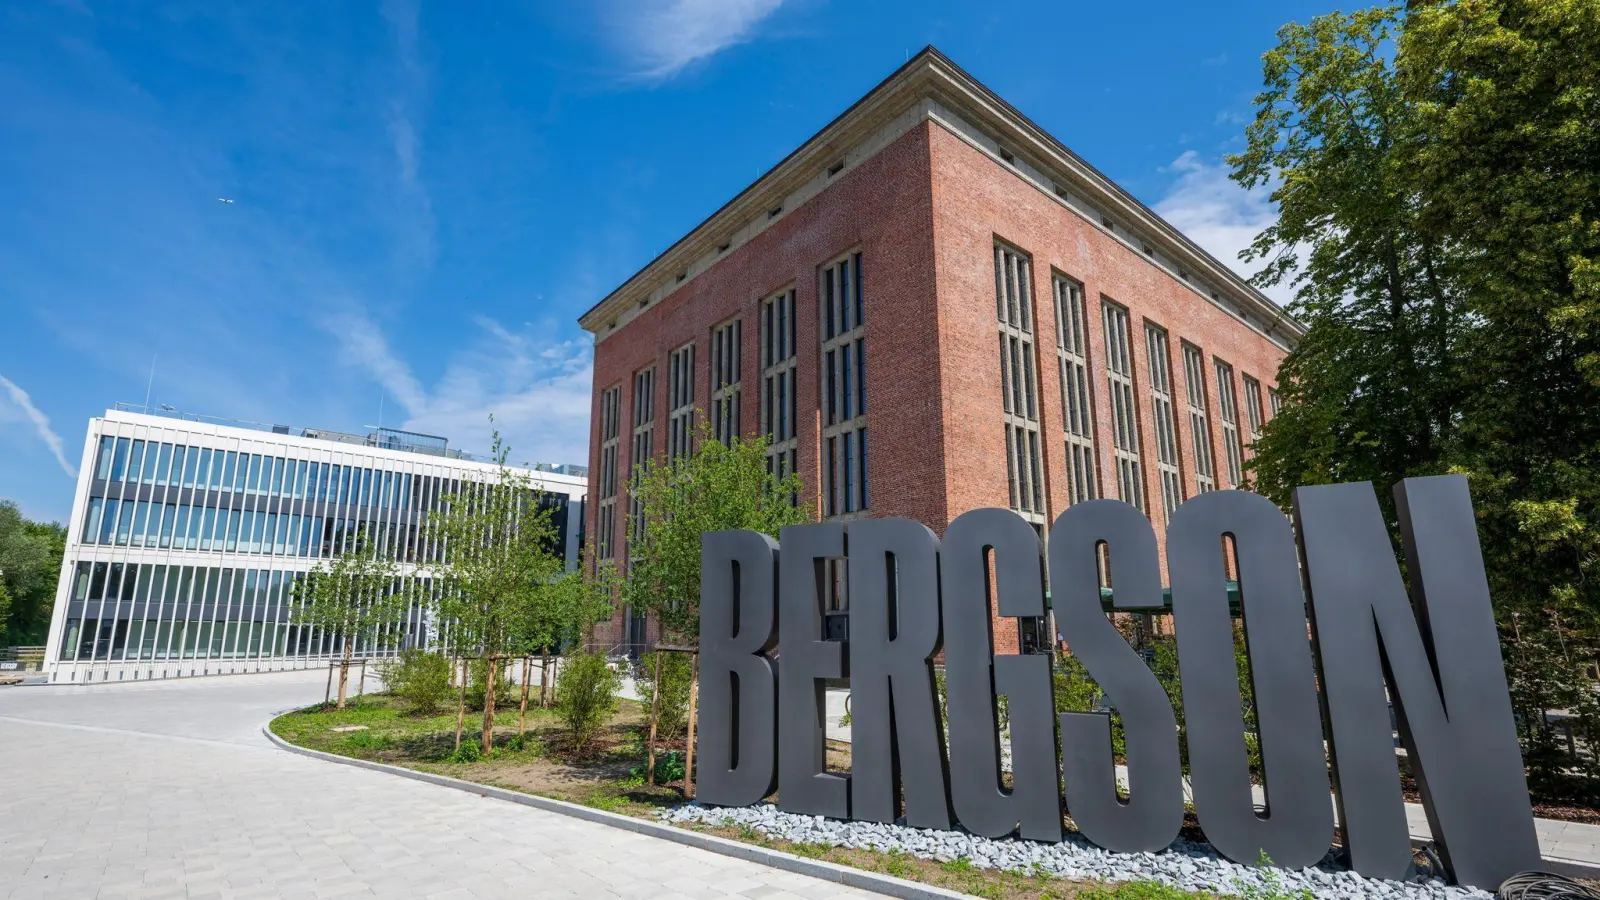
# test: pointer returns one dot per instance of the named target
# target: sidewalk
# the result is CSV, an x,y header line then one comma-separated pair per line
x,y
1572,843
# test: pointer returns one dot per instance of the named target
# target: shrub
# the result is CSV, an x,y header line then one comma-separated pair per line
x,y
587,689
669,768
477,674
677,671
419,680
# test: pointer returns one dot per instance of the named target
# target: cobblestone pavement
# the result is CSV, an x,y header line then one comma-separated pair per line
x,y
168,789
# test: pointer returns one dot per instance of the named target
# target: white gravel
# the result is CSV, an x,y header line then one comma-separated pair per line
x,y
1186,865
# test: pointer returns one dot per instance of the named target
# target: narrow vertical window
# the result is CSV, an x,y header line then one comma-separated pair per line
x,y
779,361
610,441
1228,415
680,405
644,441
844,391
1252,411
1160,370
1077,416
1194,379
1124,413
1013,285
727,341
1275,401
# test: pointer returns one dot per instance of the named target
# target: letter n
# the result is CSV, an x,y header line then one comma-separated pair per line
x,y
1440,657
738,695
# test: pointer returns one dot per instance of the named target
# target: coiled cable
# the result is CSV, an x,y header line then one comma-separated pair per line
x,y
1545,886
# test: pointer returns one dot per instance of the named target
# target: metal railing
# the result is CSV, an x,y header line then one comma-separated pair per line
x,y
381,438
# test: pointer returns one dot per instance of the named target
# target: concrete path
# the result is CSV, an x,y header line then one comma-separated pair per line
x,y
168,789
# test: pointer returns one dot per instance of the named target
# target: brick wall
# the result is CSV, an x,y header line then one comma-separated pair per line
x,y
925,214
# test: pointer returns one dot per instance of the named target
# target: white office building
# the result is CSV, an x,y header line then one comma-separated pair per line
x,y
188,534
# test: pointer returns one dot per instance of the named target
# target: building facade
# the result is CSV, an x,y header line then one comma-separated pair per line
x,y
188,535
934,306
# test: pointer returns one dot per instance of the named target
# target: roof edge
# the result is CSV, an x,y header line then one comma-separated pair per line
x,y
927,75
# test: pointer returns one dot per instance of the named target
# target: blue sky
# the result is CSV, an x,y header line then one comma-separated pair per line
x,y
426,196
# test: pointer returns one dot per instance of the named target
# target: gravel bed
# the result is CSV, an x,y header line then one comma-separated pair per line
x,y
1191,866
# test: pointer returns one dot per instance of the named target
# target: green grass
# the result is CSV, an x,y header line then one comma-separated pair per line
x,y
1135,890
614,783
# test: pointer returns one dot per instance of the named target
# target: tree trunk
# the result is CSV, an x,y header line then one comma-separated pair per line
x,y
461,710
544,680
522,713
491,669
655,716
344,668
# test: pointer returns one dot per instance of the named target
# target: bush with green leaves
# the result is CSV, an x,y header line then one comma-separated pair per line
x,y
677,671
420,680
669,768
586,689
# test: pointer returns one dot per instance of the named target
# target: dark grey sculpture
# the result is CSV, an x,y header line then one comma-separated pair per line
x,y
974,674
1153,813
738,732
1440,656
1297,826
804,784
896,738
1436,652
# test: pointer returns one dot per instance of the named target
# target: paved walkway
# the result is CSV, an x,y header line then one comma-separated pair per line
x,y
168,789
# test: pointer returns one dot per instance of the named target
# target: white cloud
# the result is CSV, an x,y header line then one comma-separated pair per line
x,y
1218,214
537,389
663,36
41,423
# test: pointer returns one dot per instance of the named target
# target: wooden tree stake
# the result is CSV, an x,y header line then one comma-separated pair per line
x,y
522,715
694,692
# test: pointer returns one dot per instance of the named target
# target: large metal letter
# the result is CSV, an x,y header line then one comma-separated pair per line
x,y
738,704
973,676
1153,813
1298,826
895,736
1442,664
804,659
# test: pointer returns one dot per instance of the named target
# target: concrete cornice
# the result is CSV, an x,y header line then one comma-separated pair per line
x,y
937,85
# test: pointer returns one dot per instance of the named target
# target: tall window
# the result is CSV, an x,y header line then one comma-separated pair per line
x,y
1072,355
644,441
1194,379
844,387
1155,339
1252,410
1228,415
1124,414
1013,291
610,439
680,402
778,363
726,356
1275,400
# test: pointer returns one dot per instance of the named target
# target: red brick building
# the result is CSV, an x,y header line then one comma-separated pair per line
x,y
934,306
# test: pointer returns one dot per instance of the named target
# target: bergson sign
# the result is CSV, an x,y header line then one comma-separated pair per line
x,y
1327,651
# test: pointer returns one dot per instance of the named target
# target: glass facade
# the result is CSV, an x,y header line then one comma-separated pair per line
x,y
186,546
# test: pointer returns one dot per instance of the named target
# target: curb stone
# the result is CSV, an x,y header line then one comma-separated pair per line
x,y
826,871
777,859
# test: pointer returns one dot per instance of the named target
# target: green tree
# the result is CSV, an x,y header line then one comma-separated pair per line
x,y
30,558
554,613
1437,171
5,610
714,487
354,596
504,590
